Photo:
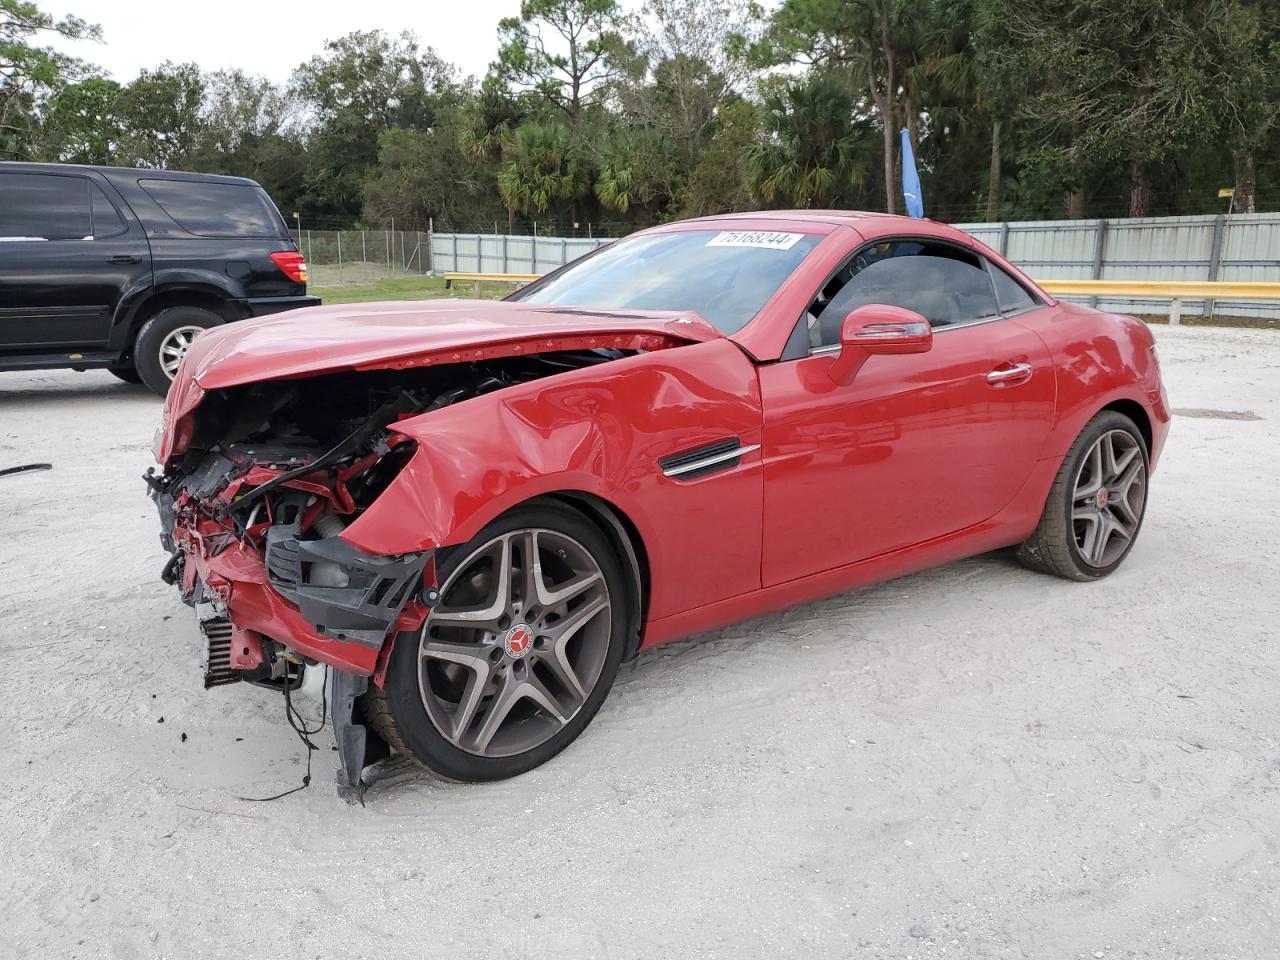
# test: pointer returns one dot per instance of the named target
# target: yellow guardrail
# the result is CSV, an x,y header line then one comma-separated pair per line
x,y
451,276
1175,291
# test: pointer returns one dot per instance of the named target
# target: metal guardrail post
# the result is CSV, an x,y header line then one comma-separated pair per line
x,y
1099,241
1004,238
1175,311
1215,259
564,251
506,267
455,251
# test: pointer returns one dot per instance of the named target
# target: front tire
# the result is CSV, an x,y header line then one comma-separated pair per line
x,y
1096,505
516,656
163,342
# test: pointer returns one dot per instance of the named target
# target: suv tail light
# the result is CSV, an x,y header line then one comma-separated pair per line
x,y
292,264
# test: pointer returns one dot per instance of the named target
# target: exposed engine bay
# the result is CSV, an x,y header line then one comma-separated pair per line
x,y
275,471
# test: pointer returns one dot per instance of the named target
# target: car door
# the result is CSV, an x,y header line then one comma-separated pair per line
x,y
917,446
68,254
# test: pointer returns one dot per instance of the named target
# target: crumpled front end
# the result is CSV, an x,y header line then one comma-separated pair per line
x,y
255,505
257,550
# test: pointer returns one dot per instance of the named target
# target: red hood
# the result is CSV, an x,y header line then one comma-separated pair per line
x,y
398,335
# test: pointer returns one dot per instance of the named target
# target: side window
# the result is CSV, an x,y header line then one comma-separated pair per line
x,y
35,206
106,221
1010,294
944,284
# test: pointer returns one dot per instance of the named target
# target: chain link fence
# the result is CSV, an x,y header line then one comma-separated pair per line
x,y
361,256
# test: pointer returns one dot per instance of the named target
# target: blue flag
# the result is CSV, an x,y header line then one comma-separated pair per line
x,y
912,195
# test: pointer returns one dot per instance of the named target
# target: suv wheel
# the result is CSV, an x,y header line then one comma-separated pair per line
x,y
163,342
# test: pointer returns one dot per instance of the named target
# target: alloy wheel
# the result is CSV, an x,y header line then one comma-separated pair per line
x,y
1109,495
174,347
516,643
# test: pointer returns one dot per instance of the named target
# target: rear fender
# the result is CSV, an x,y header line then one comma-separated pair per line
x,y
1114,362
170,288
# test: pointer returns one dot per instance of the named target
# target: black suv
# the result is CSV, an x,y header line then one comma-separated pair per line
x,y
121,268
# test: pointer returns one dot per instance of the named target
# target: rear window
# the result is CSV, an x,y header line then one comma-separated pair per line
x,y
217,209
1010,293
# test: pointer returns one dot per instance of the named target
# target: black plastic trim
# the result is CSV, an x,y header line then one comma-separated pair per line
x,y
361,612
265,306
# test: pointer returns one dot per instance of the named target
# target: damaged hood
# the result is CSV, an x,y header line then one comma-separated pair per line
x,y
377,336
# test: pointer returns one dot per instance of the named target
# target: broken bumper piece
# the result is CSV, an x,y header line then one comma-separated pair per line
x,y
342,592
319,601
310,601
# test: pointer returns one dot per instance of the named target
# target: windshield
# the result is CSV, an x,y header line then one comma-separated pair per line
x,y
725,276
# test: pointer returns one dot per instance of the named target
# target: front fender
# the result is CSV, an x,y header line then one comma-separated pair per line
x,y
599,430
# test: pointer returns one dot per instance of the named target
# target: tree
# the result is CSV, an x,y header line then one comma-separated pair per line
x,y
363,84
691,64
637,170
487,129
424,177
910,59
1242,42
539,169
815,150
860,36
564,53
721,180
1123,85
160,114
80,123
30,73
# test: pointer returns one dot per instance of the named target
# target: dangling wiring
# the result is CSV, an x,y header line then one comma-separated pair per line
x,y
299,724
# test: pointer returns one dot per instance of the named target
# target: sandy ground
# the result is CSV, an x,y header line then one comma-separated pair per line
x,y
972,762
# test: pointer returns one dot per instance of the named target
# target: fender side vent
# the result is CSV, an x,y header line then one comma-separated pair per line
x,y
706,459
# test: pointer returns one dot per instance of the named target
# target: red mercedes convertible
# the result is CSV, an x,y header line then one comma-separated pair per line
x,y
466,514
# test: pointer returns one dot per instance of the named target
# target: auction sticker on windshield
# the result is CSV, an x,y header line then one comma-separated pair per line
x,y
765,239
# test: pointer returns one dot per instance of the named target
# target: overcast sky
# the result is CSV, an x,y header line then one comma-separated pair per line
x,y
271,37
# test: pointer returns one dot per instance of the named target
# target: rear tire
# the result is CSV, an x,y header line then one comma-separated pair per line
x,y
479,698
163,341
1096,505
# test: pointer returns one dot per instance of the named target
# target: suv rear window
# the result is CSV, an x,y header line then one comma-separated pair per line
x,y
217,209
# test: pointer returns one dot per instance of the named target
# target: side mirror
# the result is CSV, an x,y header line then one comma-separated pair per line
x,y
878,329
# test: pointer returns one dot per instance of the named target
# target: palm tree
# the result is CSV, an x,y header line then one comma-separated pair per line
x,y
539,167
815,150
637,169
486,134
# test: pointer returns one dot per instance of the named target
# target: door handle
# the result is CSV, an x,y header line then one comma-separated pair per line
x,y
1009,375
124,258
